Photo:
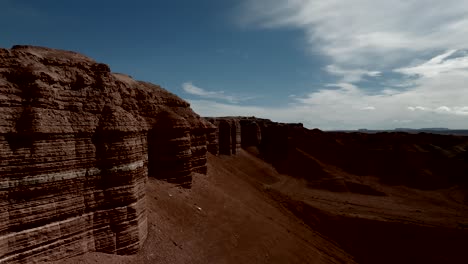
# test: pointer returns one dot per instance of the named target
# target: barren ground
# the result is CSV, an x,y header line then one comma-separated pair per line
x,y
243,211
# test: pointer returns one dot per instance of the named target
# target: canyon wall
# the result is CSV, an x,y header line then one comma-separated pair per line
x,y
228,134
422,161
77,143
271,138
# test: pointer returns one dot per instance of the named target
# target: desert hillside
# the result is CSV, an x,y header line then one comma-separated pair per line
x,y
244,211
98,167
228,216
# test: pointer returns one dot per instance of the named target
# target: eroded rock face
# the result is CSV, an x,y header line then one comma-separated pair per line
x,y
228,131
76,141
235,132
212,138
251,133
202,138
422,161
170,154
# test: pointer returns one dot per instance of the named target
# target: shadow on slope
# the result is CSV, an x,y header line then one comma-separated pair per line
x,y
225,218
374,223
423,161
243,211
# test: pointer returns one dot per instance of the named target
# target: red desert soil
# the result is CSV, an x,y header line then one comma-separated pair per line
x,y
243,211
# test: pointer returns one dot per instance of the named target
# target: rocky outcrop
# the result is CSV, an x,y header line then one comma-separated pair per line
x,y
170,154
229,134
270,137
202,139
422,161
77,143
212,138
236,136
251,133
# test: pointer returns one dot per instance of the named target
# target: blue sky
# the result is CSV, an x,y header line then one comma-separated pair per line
x,y
331,64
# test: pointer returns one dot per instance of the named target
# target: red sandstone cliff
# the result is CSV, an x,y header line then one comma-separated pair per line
x,y
75,141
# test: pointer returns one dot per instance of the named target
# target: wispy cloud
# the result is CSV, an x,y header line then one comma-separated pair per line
x,y
456,110
440,100
437,65
367,32
190,88
350,75
413,51
368,108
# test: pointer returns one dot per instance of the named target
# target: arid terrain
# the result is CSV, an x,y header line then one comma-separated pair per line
x,y
244,211
96,167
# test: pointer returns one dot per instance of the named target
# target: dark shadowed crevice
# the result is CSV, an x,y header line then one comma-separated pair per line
x,y
169,150
224,138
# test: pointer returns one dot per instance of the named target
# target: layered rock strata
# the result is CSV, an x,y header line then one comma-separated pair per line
x,y
199,149
212,138
228,131
76,143
422,161
170,154
236,132
203,138
236,136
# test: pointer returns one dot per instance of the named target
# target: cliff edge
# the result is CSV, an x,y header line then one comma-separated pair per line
x,y
76,141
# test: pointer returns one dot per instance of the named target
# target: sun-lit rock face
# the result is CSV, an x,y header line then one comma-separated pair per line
x,y
76,142
212,138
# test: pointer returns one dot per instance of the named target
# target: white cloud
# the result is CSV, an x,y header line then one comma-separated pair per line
x,y
369,108
443,109
376,39
440,100
455,110
190,88
368,32
438,64
353,75
416,108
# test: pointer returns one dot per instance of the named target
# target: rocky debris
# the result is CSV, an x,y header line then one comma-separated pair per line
x,y
76,144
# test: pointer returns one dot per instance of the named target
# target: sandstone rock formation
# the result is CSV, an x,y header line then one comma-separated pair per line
x,y
212,138
169,146
201,138
423,161
251,133
228,131
76,143
236,132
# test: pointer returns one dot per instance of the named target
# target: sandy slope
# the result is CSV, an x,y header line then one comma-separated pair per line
x,y
243,211
227,217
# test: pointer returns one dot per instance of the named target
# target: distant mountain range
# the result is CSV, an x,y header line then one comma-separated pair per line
x,y
432,130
